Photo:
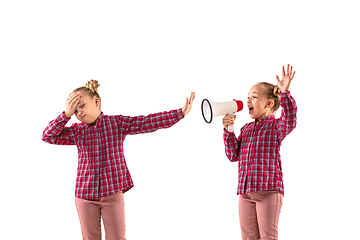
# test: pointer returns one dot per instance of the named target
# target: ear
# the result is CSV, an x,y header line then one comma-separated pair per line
x,y
97,101
270,104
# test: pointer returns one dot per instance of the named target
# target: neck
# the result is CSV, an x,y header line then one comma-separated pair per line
x,y
257,120
95,122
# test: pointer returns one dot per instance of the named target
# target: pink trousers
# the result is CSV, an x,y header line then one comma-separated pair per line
x,y
259,214
112,210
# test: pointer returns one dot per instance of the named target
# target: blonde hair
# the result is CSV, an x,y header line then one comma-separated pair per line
x,y
272,93
91,88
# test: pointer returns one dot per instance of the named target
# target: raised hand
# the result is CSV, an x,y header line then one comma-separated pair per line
x,y
188,104
284,83
71,103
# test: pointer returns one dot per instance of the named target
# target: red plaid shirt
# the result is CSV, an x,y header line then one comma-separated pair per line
x,y
102,169
258,149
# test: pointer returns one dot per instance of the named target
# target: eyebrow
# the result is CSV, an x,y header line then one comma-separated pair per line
x,y
253,92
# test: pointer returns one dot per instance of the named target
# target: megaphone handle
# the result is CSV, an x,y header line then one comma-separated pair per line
x,y
231,127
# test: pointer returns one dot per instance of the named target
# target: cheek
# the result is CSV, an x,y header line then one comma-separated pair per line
x,y
255,103
258,106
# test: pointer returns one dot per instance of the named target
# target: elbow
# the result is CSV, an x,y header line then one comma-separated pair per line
x,y
43,138
232,158
294,123
46,139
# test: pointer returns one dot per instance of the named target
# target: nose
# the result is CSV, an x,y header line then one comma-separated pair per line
x,y
78,112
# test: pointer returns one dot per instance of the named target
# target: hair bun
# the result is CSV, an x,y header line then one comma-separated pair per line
x,y
92,85
276,91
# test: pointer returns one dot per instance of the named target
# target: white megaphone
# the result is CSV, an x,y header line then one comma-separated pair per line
x,y
211,110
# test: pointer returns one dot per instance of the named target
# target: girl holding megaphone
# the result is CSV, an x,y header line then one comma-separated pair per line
x,y
257,150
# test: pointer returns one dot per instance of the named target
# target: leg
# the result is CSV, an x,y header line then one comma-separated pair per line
x,y
90,217
268,209
248,218
113,213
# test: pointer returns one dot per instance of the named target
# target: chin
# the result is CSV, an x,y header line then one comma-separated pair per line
x,y
82,121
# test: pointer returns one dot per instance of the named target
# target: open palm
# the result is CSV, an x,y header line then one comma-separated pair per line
x,y
188,104
284,83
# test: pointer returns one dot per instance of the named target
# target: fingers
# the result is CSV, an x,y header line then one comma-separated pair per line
x,y
190,100
188,104
74,101
73,96
290,74
192,97
229,120
287,70
71,103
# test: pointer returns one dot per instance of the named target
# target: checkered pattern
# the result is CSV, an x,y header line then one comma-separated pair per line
x,y
102,169
258,149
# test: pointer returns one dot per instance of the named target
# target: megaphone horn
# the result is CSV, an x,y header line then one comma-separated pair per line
x,y
211,110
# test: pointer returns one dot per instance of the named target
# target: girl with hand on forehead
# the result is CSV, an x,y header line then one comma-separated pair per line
x,y
257,151
102,174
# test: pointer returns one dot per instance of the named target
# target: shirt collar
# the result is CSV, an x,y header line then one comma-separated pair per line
x,y
269,117
98,120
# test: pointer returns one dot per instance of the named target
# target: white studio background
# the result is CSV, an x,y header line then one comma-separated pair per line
x,y
148,56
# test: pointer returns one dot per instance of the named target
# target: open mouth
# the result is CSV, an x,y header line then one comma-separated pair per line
x,y
251,109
